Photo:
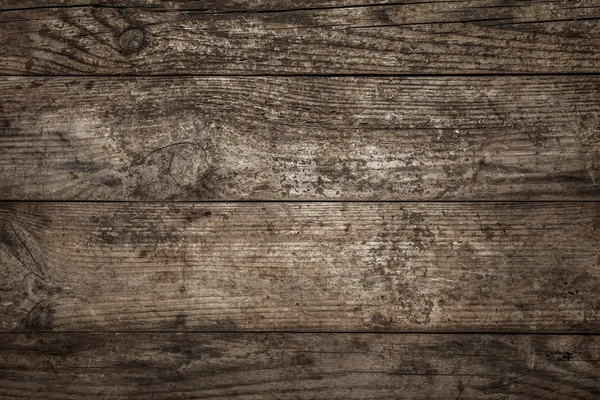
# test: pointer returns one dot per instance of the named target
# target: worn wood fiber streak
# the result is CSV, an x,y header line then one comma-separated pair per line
x,y
292,366
300,266
505,138
236,6
414,38
208,6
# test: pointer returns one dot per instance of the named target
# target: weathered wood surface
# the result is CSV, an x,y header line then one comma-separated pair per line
x,y
298,366
493,36
509,138
518,267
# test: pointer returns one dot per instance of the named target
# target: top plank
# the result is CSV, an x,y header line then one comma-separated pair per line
x,y
306,37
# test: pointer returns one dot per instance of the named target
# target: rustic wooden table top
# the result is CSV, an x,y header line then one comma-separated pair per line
x,y
310,199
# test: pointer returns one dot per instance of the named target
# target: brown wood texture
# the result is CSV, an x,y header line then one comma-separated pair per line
x,y
462,267
459,37
313,199
298,366
232,138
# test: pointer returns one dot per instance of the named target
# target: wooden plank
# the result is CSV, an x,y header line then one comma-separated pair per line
x,y
478,36
504,138
299,366
301,266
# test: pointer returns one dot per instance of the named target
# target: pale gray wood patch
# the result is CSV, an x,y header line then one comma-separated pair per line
x,y
299,366
412,38
462,267
232,138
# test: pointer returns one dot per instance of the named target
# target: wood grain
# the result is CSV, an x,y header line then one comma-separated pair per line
x,y
515,267
154,297
232,138
297,366
439,37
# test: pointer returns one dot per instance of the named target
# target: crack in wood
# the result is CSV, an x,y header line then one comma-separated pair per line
x,y
40,271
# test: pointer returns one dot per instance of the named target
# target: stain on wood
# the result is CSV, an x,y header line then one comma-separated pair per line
x,y
435,37
397,267
298,366
232,138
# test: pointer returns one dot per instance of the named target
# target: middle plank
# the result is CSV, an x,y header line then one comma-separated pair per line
x,y
216,138
525,267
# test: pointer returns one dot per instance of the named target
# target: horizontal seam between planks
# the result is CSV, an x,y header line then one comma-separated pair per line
x,y
301,332
309,75
303,201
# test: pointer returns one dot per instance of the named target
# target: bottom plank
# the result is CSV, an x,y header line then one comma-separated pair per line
x,y
298,366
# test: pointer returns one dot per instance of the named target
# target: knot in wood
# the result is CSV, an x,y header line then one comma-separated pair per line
x,y
132,39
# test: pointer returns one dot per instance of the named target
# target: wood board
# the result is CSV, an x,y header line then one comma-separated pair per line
x,y
298,366
435,37
333,267
300,138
